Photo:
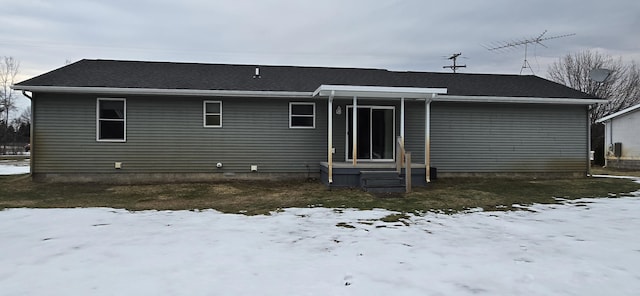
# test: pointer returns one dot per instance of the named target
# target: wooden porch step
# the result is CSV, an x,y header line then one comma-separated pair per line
x,y
382,181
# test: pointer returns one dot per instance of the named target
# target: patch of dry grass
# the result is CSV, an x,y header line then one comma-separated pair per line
x,y
260,197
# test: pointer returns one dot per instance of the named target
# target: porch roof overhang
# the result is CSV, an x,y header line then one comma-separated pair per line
x,y
384,92
377,92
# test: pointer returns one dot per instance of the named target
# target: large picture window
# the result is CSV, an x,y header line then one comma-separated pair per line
x,y
212,113
111,117
302,115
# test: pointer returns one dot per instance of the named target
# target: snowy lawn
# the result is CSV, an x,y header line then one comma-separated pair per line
x,y
14,167
580,247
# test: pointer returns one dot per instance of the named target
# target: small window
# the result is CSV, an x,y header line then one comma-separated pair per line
x,y
302,115
111,117
212,113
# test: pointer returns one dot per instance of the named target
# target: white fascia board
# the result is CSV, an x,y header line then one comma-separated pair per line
x,y
526,100
377,91
164,92
621,112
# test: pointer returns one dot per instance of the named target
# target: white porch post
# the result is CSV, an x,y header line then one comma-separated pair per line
x,y
427,138
401,130
330,137
354,130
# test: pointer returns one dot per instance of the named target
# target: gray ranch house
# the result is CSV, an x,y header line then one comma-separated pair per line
x,y
134,121
622,138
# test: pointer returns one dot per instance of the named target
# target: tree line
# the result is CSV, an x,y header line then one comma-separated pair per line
x,y
621,88
14,133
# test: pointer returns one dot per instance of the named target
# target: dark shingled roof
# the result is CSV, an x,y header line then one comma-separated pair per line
x,y
165,75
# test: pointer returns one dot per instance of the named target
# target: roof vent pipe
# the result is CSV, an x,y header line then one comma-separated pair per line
x,y
257,74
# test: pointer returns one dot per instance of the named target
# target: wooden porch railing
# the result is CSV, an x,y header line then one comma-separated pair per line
x,y
399,154
403,159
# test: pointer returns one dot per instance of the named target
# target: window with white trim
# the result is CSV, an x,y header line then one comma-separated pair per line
x,y
302,115
212,113
111,120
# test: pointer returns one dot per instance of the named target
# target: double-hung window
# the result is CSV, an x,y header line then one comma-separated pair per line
x,y
212,113
302,115
111,117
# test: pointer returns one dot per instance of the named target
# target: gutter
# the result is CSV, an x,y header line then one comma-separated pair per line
x,y
386,93
529,100
614,115
160,91
24,93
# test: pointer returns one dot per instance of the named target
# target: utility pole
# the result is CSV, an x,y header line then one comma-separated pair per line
x,y
454,58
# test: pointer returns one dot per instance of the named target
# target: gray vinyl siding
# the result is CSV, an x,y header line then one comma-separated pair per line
x,y
166,135
414,130
497,138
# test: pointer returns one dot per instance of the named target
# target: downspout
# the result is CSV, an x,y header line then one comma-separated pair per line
x,y
589,140
427,138
330,137
607,149
31,154
24,93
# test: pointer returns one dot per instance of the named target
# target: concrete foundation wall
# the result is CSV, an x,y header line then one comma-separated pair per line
x,y
155,178
628,164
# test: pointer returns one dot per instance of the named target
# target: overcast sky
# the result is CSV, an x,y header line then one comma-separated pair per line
x,y
413,35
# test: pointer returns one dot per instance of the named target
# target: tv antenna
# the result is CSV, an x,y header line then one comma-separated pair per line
x,y
497,46
454,58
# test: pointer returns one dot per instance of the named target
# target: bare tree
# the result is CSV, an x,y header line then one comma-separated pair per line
x,y
622,88
25,116
8,72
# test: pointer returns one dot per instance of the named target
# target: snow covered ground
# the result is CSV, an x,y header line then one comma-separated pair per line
x,y
14,167
581,247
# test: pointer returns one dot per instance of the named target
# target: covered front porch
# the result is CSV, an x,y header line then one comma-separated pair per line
x,y
368,155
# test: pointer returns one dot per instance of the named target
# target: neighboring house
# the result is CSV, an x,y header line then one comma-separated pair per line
x,y
132,121
622,138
